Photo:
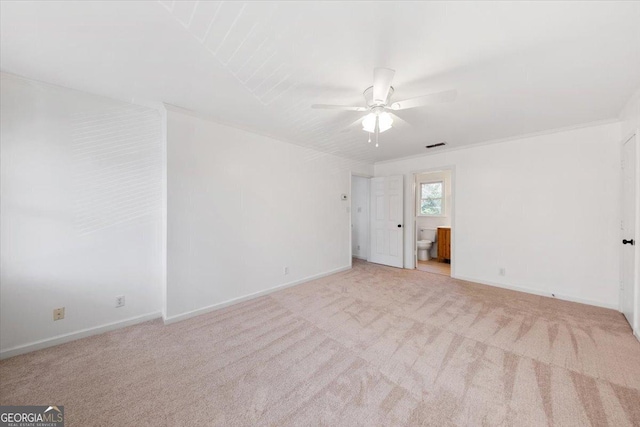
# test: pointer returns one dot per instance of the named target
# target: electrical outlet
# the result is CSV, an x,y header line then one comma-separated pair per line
x,y
58,313
120,301
358,247
286,270
503,271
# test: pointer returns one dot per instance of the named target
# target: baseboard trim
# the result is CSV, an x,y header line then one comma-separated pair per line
x,y
364,258
72,336
541,293
189,314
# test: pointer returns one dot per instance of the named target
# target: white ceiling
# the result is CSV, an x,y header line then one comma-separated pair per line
x,y
519,67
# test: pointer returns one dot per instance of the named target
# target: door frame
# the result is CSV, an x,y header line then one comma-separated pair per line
x,y
361,175
636,310
414,246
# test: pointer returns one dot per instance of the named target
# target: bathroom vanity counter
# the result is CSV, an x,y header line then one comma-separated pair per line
x,y
444,243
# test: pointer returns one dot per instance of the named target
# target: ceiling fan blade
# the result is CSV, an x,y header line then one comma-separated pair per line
x,y
357,123
337,107
421,101
399,122
382,78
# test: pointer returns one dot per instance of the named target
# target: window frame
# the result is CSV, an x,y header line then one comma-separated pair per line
x,y
443,211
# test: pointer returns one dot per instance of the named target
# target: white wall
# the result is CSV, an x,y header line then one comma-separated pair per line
x,y
81,180
241,207
433,221
360,217
546,208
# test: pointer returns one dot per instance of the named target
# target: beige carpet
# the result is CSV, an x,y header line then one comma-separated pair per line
x,y
370,346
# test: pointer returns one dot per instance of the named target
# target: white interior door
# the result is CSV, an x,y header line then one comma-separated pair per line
x,y
630,293
387,216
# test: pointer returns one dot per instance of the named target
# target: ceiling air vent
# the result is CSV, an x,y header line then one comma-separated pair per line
x,y
439,144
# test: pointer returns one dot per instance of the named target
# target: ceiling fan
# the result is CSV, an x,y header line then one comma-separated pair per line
x,y
380,115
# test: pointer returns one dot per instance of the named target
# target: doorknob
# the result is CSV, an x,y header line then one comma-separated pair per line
x,y
399,225
631,242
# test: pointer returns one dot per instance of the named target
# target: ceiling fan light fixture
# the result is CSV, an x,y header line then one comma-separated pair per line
x,y
369,123
385,121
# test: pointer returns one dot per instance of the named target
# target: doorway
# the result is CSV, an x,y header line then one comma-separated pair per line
x,y
433,218
377,217
386,235
630,293
360,217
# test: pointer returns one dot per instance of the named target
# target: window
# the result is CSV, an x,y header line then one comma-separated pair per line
x,y
432,198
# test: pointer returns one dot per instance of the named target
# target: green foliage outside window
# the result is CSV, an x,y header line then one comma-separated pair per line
x,y
431,198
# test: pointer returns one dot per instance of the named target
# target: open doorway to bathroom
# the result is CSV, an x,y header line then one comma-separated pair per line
x,y
433,221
